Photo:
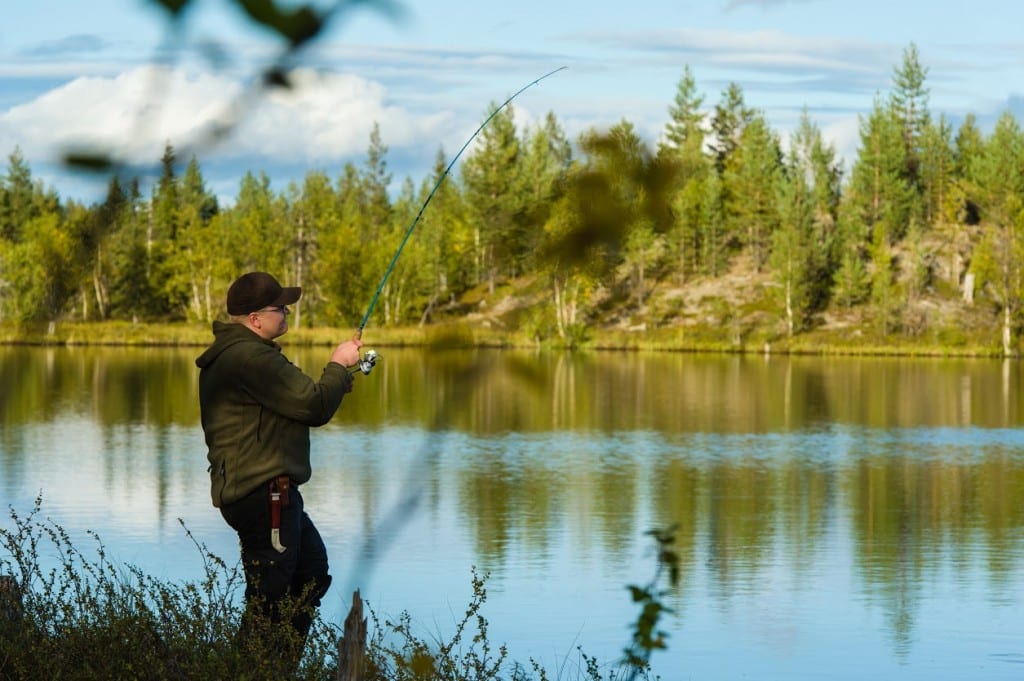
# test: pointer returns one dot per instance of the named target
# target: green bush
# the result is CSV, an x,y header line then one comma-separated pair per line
x,y
89,619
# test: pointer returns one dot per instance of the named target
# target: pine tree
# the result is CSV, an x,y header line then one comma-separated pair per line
x,y
165,200
19,198
446,239
130,294
376,181
311,214
751,181
684,128
547,156
936,176
492,180
713,234
104,222
196,259
685,238
731,116
968,148
851,279
684,144
168,294
814,161
796,260
884,295
789,259
999,260
878,191
909,104
253,227
341,271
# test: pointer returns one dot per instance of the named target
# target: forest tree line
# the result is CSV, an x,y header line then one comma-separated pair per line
x,y
600,220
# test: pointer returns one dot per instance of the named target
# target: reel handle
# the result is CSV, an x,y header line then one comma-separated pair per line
x,y
366,364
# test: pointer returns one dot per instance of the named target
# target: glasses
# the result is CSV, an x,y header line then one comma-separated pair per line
x,y
283,309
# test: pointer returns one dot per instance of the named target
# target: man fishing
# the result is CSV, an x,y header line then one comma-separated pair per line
x,y
257,408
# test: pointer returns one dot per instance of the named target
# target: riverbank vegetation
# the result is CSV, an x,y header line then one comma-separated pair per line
x,y
717,237
89,617
457,335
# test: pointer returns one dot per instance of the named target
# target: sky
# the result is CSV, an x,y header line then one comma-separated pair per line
x,y
117,76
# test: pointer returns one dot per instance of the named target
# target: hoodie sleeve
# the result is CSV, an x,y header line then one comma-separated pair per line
x,y
282,387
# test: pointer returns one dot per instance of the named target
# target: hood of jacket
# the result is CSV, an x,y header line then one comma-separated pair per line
x,y
224,336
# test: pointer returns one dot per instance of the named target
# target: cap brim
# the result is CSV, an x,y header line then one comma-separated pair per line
x,y
289,296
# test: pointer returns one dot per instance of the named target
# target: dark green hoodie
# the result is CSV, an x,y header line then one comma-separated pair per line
x,y
257,408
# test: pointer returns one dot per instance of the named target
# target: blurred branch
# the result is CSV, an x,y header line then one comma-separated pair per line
x,y
298,26
647,637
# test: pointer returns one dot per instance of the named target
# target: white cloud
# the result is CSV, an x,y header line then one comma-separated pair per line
x,y
328,116
132,115
844,136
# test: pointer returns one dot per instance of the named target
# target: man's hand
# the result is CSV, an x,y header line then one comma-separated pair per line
x,y
347,353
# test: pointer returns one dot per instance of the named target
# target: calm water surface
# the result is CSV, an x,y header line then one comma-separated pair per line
x,y
837,518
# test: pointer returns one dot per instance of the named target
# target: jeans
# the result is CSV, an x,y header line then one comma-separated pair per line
x,y
279,587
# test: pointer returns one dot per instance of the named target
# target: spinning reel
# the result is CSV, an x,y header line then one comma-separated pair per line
x,y
366,364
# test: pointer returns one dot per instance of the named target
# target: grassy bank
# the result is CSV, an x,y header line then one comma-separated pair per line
x,y
180,334
710,339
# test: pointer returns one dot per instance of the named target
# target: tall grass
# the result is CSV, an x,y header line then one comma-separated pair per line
x,y
90,618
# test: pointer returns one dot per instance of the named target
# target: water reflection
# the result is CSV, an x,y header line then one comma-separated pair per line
x,y
820,502
488,392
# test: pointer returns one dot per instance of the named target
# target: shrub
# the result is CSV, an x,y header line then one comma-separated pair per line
x,y
89,619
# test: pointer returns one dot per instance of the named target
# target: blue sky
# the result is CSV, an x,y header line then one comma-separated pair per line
x,y
104,73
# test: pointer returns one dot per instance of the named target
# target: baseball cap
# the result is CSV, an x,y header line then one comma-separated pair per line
x,y
256,290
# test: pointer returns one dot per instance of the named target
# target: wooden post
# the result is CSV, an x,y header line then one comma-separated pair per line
x,y
352,644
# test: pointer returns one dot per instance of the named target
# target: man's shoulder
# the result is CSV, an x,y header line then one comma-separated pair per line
x,y
237,342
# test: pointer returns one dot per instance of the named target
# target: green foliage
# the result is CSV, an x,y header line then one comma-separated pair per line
x,y
647,637
297,25
851,280
790,256
684,145
909,104
90,619
883,280
467,654
714,237
42,268
731,116
879,190
684,129
397,652
495,191
936,171
752,179
601,234
19,199
641,252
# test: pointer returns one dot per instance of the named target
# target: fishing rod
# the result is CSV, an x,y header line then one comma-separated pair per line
x,y
368,363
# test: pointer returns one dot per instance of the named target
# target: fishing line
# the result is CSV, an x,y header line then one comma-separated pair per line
x,y
412,226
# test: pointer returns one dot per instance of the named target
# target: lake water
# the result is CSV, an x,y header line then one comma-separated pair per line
x,y
837,518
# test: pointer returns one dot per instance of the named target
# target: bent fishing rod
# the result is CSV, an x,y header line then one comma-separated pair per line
x,y
371,357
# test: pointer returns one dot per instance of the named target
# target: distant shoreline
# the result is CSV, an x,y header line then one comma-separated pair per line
x,y
453,336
